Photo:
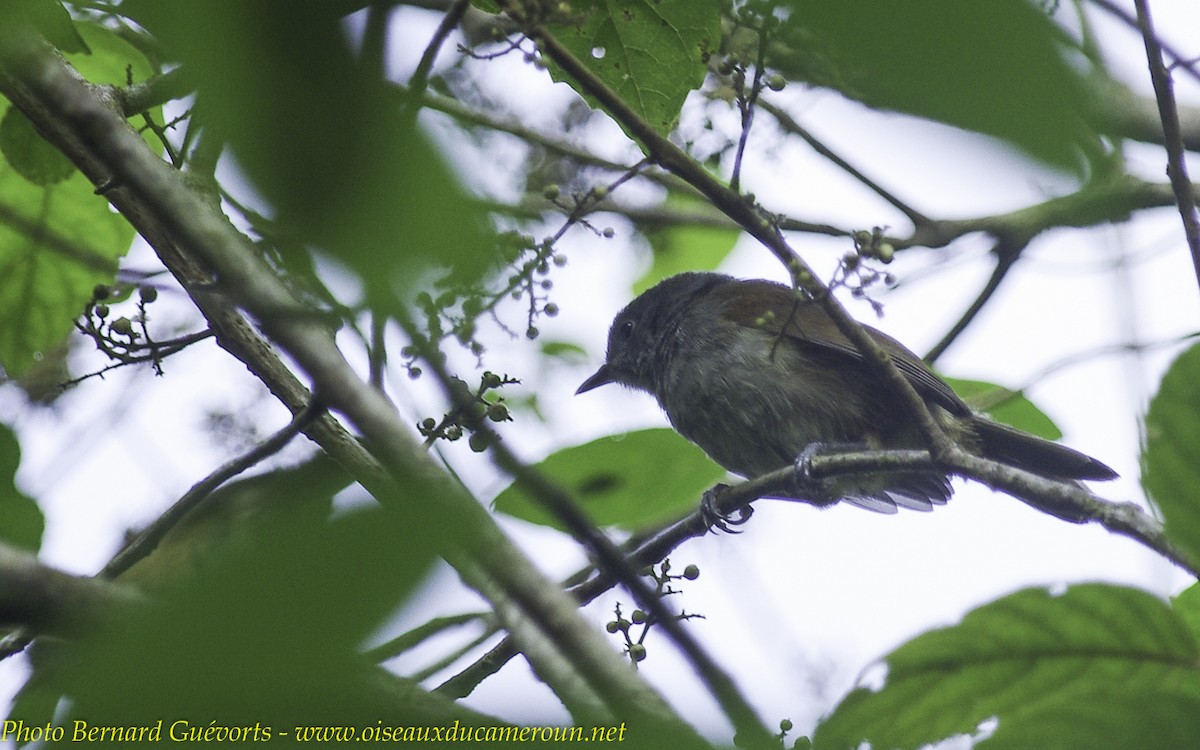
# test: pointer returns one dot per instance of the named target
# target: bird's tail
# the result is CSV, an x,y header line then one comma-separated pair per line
x,y
1024,451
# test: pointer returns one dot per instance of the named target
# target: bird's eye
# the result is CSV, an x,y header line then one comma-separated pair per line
x,y
626,329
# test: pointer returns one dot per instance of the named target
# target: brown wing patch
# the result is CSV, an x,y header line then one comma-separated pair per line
x,y
776,309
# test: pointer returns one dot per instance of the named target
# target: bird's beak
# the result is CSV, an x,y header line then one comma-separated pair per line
x,y
598,378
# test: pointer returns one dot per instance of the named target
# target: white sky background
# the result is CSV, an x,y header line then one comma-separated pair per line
x,y
798,605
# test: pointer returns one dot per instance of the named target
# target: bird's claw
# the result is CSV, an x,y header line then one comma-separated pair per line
x,y
715,518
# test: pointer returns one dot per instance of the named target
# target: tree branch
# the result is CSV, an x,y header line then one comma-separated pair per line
x,y
1172,139
41,599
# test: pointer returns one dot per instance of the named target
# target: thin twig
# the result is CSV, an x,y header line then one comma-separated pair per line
x,y
419,80
1178,59
1006,258
1185,199
789,124
747,103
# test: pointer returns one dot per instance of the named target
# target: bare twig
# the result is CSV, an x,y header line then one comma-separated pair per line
x,y
420,77
789,124
1178,59
1185,199
1006,257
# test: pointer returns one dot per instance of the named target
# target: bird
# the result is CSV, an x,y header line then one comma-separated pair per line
x,y
759,376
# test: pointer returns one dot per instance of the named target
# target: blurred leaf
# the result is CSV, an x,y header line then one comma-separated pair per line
x,y
1005,406
270,635
685,248
327,142
29,154
633,481
1099,666
1187,604
48,17
236,513
21,520
1171,454
999,68
572,354
652,53
58,239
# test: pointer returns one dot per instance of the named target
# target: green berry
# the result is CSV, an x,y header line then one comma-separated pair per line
x,y
147,294
122,326
498,413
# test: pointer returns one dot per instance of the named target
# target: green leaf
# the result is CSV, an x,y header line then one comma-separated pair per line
x,y
633,481
685,247
58,239
1099,666
998,68
1171,454
565,351
29,154
650,52
271,633
333,147
1187,604
1006,406
21,520
49,18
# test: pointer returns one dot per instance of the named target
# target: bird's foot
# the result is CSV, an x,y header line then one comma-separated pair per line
x,y
715,518
818,490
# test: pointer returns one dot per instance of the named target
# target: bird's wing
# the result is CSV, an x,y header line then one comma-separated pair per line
x,y
778,309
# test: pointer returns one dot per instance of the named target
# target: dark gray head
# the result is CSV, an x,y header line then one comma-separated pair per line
x,y
637,332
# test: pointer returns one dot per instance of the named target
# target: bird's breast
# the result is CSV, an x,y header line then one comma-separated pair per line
x,y
755,403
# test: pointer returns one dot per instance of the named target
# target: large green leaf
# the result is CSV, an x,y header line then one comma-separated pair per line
x,y
58,239
1171,454
1005,406
269,635
1099,666
650,52
21,520
999,68
633,481
333,147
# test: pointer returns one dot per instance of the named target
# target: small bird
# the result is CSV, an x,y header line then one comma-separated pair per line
x,y
756,375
